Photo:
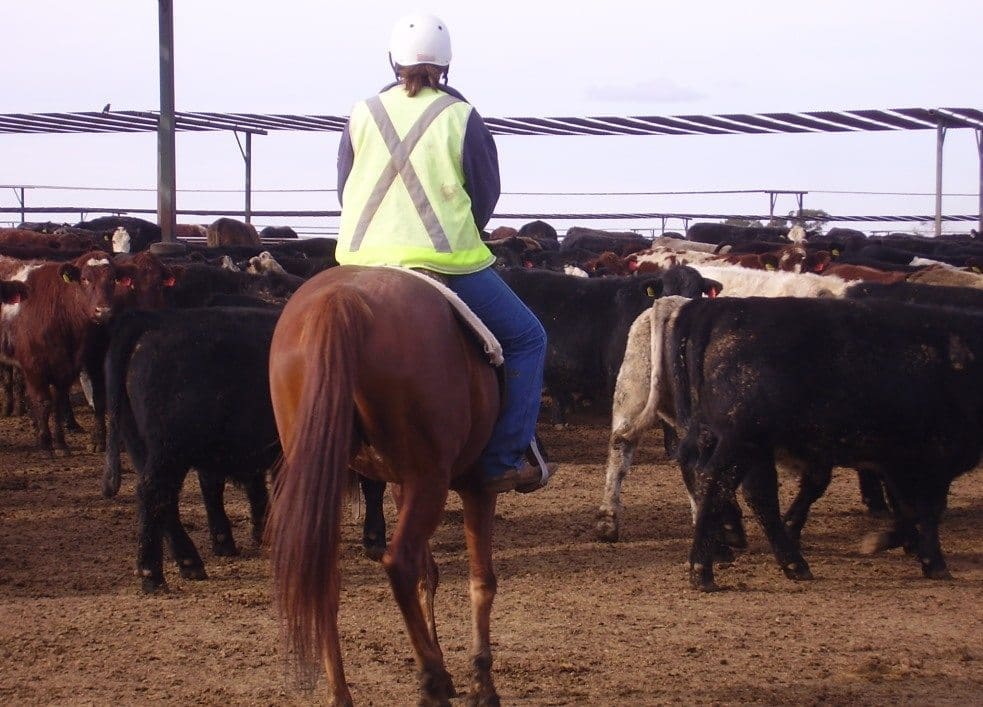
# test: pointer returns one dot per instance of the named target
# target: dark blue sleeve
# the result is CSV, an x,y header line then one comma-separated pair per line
x,y
346,157
481,177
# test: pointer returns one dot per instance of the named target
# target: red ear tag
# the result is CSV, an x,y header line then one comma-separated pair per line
x,y
820,267
125,281
15,299
169,282
527,263
633,265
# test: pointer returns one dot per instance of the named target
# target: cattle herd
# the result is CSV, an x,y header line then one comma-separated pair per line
x,y
751,348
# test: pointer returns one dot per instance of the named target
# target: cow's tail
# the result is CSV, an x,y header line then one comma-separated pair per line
x,y
125,333
304,525
665,310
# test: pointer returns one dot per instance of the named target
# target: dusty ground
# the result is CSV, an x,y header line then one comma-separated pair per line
x,y
576,621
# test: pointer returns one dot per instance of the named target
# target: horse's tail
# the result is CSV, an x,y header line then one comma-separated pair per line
x,y
304,526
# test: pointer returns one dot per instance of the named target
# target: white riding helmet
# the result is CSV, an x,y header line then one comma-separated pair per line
x,y
420,39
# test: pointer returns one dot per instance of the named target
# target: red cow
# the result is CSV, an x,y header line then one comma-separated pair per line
x,y
48,333
862,272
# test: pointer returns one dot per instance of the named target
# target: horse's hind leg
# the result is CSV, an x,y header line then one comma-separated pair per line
x,y
406,563
479,520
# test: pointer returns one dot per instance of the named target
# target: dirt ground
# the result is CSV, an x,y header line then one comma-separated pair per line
x,y
576,621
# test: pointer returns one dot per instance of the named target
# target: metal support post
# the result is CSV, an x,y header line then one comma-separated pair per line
x,y
979,149
247,156
166,182
939,142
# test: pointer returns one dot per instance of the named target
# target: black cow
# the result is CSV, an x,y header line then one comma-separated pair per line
x,y
889,387
195,283
725,233
622,243
190,389
142,232
587,323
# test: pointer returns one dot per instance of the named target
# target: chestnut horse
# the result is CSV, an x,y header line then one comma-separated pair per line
x,y
370,370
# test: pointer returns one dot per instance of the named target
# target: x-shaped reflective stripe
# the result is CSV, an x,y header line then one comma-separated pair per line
x,y
399,164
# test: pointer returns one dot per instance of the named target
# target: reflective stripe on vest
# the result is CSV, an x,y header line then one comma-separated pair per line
x,y
399,164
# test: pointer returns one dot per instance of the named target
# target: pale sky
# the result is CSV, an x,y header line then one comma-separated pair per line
x,y
510,59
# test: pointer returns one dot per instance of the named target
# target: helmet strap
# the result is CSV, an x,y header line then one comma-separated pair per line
x,y
394,65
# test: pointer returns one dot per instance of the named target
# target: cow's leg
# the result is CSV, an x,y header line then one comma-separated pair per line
x,y
872,493
374,526
621,451
20,393
60,405
813,483
67,414
40,397
7,385
761,491
726,522
930,504
158,489
259,501
213,494
711,462
479,522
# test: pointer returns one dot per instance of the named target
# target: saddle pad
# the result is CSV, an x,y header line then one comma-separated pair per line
x,y
489,343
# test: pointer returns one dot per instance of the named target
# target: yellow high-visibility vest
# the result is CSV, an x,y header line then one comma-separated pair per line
x,y
404,200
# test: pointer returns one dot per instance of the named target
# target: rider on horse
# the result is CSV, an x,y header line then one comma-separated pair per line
x,y
418,180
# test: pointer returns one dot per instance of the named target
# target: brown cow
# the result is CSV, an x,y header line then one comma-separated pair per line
x,y
47,334
862,272
228,231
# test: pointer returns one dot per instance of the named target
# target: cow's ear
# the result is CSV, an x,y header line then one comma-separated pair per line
x,y
167,278
69,272
711,288
653,288
125,275
770,261
822,259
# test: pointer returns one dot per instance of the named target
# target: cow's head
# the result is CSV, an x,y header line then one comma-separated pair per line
x,y
93,278
142,281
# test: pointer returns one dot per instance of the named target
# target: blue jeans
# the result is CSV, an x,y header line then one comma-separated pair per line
x,y
523,342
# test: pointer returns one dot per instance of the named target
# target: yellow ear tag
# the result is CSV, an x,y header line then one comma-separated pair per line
x,y
836,251
650,291
769,266
65,277
976,268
